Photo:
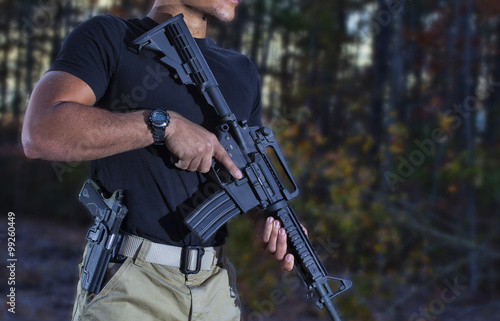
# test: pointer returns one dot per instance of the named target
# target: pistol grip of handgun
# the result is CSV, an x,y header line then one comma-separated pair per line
x,y
90,197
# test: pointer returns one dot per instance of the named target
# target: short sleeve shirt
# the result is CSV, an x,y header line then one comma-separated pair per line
x,y
158,195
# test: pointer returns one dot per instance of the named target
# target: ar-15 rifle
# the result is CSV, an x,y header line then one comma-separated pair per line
x,y
261,185
103,237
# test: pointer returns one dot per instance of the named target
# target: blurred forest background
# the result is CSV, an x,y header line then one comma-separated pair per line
x,y
389,114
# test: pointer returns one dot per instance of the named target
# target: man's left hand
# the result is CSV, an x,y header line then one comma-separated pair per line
x,y
274,239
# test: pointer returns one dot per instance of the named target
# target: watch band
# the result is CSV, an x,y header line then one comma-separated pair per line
x,y
158,121
158,135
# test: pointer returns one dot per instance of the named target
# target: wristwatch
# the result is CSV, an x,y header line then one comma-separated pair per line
x,y
159,120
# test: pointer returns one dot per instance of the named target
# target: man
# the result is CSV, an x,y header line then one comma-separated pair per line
x,y
95,103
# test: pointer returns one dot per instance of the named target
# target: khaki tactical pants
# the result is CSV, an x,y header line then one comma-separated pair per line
x,y
136,290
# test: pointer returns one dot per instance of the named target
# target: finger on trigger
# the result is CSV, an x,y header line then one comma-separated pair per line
x,y
222,156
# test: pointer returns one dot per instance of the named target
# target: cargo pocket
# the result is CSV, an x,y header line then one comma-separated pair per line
x,y
87,299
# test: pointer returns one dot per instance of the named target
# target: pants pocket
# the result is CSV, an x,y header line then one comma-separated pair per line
x,y
85,299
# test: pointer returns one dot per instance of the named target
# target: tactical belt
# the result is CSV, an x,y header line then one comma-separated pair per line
x,y
189,259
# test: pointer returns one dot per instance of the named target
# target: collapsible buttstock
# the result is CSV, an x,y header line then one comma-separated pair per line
x,y
212,214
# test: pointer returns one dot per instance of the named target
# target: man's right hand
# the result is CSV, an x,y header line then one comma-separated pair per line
x,y
194,146
60,124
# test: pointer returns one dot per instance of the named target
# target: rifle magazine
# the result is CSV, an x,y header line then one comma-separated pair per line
x,y
212,214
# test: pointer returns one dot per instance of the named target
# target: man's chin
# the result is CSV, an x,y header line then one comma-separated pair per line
x,y
224,17
227,19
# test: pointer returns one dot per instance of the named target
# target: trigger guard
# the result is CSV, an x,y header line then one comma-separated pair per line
x,y
220,174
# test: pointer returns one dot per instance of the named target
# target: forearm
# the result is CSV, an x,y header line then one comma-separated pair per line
x,y
69,131
61,124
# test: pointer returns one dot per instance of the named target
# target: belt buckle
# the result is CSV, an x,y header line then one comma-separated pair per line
x,y
187,257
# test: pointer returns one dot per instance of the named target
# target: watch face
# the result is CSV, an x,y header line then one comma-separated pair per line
x,y
158,119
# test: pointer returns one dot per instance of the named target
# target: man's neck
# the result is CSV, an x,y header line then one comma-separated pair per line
x,y
196,23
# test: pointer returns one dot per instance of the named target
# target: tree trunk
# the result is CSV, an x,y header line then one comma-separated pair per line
x,y
258,19
7,10
381,45
467,86
492,104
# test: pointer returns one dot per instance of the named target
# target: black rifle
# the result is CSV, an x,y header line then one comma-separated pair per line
x,y
261,185
103,237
